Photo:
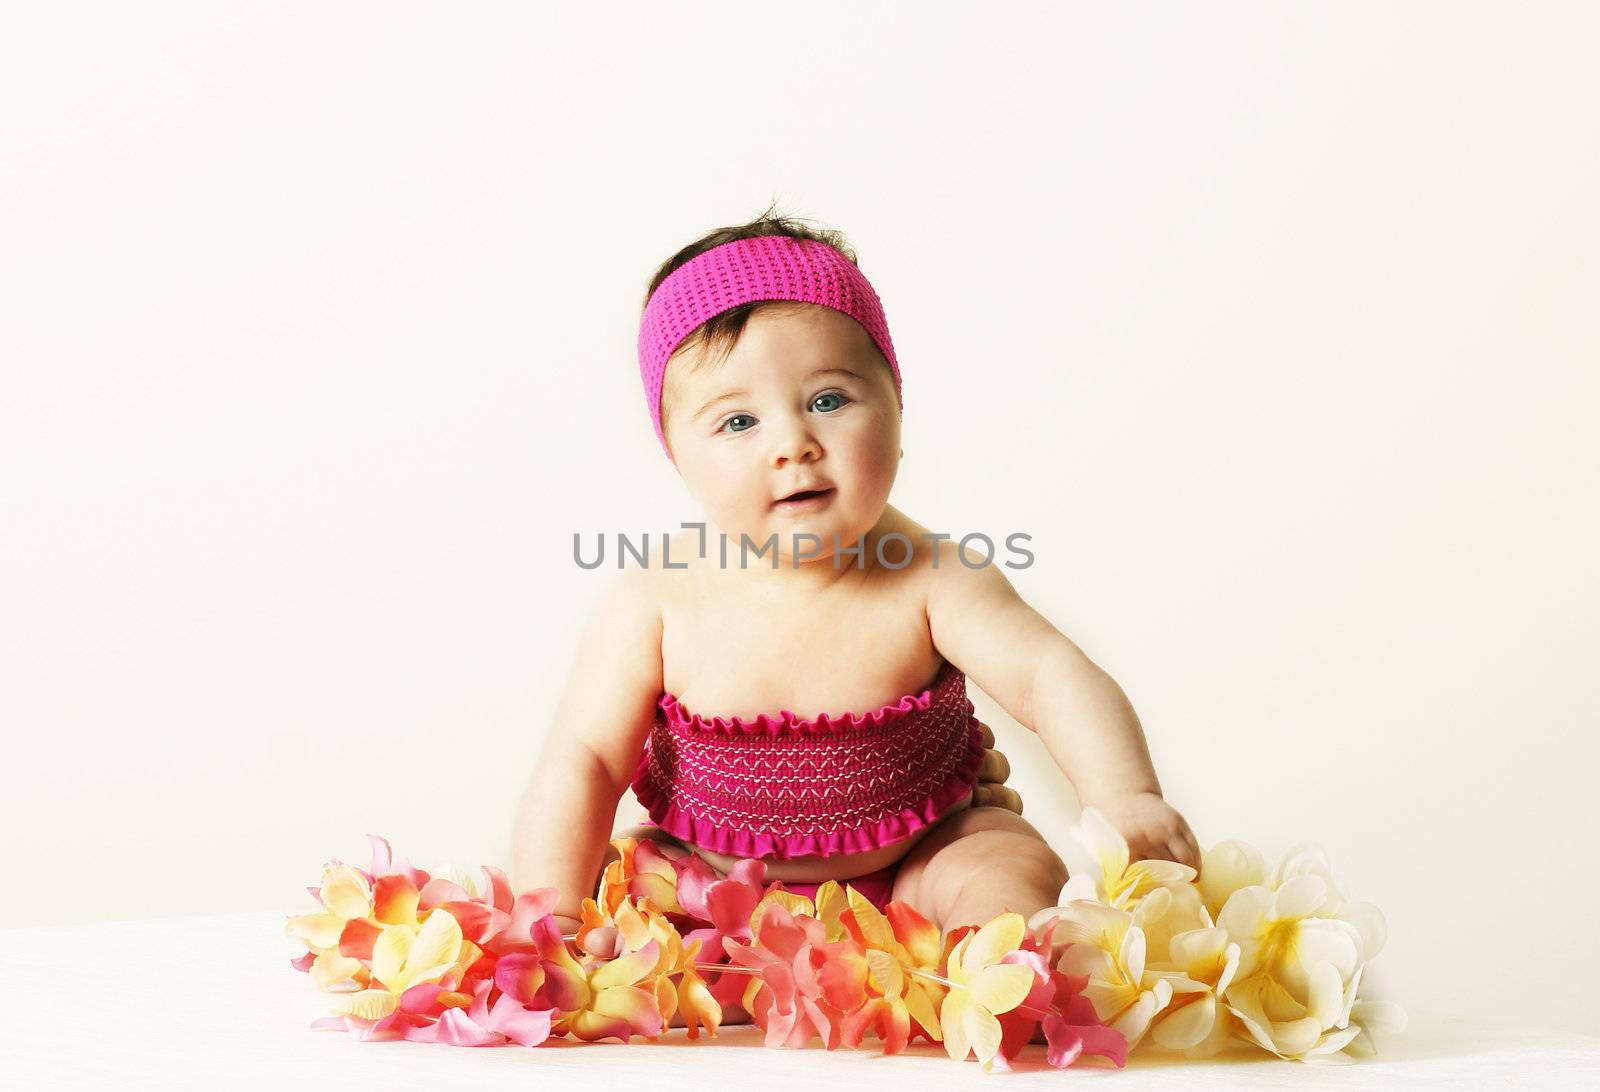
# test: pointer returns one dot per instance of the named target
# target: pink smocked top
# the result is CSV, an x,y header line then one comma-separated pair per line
x,y
786,786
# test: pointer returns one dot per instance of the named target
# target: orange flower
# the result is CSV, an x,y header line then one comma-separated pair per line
x,y
641,871
906,942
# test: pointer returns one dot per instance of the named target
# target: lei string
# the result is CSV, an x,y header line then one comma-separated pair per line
x,y
1137,952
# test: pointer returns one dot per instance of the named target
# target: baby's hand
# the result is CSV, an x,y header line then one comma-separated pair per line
x,y
1153,828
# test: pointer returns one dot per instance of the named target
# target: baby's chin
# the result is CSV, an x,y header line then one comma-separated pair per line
x,y
763,525
850,529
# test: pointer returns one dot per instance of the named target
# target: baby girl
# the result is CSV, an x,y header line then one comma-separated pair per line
x,y
791,684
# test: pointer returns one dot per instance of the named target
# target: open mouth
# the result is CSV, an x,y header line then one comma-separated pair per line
x,y
805,497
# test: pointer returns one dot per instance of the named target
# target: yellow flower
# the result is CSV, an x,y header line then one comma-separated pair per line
x,y
981,987
1165,912
605,998
640,923
832,900
346,895
404,956
827,906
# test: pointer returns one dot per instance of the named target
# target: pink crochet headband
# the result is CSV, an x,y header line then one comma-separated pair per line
x,y
773,267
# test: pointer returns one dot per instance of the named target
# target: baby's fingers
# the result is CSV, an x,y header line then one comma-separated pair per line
x,y
994,767
1157,846
1195,856
985,795
1143,847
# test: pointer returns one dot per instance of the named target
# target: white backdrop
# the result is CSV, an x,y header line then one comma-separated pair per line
x,y
1273,325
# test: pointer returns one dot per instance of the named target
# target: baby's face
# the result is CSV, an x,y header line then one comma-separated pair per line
x,y
804,400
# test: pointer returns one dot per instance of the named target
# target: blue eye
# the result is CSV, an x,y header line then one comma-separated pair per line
x,y
839,396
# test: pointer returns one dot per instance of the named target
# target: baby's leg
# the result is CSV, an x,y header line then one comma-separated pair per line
x,y
977,863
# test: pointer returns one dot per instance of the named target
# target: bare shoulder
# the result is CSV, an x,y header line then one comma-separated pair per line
x,y
961,581
983,625
940,568
677,573
669,564
622,636
632,595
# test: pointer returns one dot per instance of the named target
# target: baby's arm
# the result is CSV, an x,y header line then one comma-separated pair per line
x,y
564,820
1041,678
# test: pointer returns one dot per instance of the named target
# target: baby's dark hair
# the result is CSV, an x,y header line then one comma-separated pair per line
x,y
712,341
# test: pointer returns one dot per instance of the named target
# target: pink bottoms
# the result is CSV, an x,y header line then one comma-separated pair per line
x,y
878,887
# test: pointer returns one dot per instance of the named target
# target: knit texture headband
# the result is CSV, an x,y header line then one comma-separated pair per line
x,y
772,267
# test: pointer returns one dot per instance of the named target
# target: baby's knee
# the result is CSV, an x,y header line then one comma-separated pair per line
x,y
1009,852
980,846
994,867
961,825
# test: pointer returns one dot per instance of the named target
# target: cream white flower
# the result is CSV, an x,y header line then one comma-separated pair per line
x,y
1099,868
1200,968
1274,957
1106,945
1225,868
1164,913
1280,930
1310,860
1371,1014
1197,960
1298,972
1118,919
459,876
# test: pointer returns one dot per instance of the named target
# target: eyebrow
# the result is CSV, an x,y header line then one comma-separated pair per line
x,y
725,395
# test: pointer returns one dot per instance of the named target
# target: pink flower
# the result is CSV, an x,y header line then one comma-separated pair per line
x,y
725,904
1070,1025
800,992
485,1025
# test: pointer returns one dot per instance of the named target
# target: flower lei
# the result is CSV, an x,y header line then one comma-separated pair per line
x,y
1274,959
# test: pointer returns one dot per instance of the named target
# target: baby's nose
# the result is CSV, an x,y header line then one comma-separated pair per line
x,y
794,441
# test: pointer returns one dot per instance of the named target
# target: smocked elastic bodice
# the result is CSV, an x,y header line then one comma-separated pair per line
x,y
783,786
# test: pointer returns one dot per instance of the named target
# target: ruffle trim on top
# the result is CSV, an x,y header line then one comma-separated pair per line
x,y
786,722
887,830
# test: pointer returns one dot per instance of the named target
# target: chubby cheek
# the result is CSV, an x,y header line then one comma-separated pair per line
x,y
871,463
749,496
733,494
